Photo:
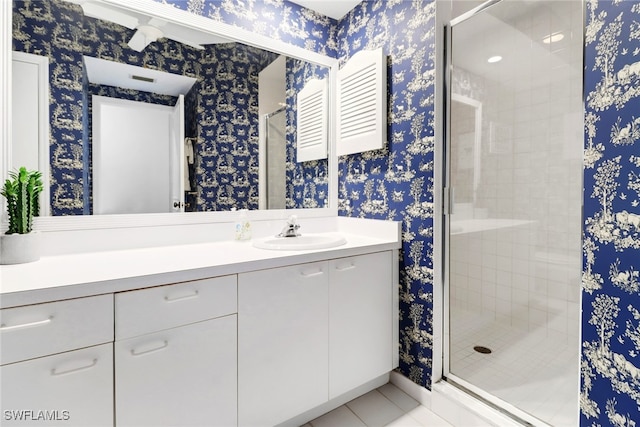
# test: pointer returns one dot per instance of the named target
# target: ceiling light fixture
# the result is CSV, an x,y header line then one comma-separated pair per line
x,y
494,59
553,37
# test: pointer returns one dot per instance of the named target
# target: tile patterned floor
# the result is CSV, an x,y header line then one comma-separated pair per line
x,y
385,406
522,368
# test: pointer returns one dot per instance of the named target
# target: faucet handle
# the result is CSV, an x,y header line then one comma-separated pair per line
x,y
291,228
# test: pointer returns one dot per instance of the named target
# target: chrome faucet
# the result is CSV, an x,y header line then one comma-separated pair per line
x,y
291,228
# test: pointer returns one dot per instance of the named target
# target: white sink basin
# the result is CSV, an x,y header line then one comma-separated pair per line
x,y
300,243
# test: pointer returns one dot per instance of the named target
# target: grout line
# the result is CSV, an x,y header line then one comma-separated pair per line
x,y
394,404
353,412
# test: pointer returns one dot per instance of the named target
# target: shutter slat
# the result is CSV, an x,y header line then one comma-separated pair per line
x,y
312,121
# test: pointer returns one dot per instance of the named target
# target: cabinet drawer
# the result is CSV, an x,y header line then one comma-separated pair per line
x,y
67,389
163,307
42,329
185,376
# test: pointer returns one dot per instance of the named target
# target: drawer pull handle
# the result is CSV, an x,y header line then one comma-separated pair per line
x,y
139,352
3,327
169,298
311,273
57,371
345,267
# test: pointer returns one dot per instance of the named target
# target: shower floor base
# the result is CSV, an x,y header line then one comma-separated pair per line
x,y
534,372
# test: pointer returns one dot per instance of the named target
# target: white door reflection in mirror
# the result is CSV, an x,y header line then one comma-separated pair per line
x,y
133,162
30,114
177,159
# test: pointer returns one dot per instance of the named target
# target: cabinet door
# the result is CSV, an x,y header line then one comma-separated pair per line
x,y
282,343
186,376
360,326
66,389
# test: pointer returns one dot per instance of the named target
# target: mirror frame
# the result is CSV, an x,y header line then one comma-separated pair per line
x,y
170,13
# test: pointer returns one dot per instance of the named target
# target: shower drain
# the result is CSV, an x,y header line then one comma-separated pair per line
x,y
481,349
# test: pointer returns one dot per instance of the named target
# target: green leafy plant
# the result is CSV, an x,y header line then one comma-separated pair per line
x,y
22,191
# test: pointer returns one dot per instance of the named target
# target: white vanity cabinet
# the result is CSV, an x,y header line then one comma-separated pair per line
x,y
176,355
236,336
310,333
57,363
282,342
360,320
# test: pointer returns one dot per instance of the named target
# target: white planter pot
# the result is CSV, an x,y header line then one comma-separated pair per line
x,y
19,248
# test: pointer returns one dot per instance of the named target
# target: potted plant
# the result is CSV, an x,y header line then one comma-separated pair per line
x,y
20,243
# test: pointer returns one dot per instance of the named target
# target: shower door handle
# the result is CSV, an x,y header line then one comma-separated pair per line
x,y
448,197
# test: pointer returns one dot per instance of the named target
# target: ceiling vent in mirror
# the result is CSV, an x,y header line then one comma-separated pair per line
x,y
143,79
116,74
312,121
362,103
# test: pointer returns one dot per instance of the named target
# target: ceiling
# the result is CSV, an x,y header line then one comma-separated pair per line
x,y
516,32
335,9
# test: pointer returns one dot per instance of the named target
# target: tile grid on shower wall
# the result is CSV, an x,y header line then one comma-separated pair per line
x,y
492,273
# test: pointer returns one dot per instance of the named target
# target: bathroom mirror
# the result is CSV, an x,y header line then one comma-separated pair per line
x,y
222,117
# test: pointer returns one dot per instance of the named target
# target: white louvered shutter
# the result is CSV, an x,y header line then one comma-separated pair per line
x,y
362,103
312,121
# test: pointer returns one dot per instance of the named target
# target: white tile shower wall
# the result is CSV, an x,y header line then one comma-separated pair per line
x,y
527,276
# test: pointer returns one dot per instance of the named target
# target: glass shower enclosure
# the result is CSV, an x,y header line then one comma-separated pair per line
x,y
276,158
513,221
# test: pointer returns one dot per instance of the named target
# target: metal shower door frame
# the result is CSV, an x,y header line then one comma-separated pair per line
x,y
498,404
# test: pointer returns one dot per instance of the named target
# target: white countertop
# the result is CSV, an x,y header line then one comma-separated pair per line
x,y
93,273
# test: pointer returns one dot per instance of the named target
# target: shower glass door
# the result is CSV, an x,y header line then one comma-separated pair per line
x,y
514,174
276,147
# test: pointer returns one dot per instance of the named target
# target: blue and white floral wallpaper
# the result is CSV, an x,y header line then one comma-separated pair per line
x,y
51,29
610,367
226,152
278,19
223,106
397,181
307,182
